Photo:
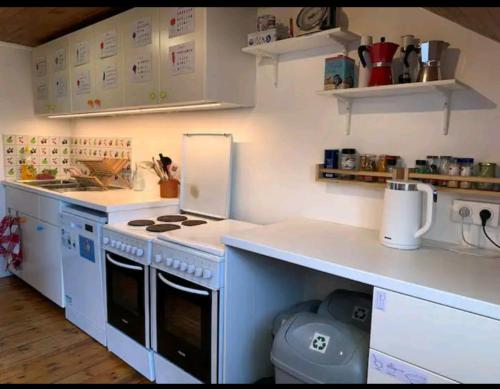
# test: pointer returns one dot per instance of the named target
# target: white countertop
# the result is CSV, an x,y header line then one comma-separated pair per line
x,y
105,201
465,282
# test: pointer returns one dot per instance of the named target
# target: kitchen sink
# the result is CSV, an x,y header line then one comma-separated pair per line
x,y
62,186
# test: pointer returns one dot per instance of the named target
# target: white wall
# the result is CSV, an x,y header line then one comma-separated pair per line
x,y
279,141
16,104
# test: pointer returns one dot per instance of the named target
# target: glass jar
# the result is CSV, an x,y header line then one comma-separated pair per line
x,y
466,165
347,162
367,164
381,166
453,170
433,163
444,162
486,169
392,161
421,167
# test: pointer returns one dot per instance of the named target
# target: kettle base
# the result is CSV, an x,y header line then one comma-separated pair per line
x,y
400,246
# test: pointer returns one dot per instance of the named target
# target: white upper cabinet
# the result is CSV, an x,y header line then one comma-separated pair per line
x,y
107,52
141,40
148,56
40,79
82,72
59,81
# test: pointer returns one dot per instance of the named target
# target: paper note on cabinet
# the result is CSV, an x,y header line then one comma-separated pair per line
x,y
41,66
181,22
181,58
82,83
140,68
109,77
60,60
108,44
42,90
82,53
60,86
142,32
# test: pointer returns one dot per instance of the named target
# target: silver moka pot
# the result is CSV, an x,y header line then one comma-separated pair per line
x,y
430,60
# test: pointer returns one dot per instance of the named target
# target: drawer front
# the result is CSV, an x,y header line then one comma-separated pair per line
x,y
22,201
49,210
460,345
384,369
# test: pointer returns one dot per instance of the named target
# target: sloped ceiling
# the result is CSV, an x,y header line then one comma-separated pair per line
x,y
32,26
483,20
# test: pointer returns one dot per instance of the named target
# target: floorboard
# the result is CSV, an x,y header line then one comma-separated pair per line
x,y
38,345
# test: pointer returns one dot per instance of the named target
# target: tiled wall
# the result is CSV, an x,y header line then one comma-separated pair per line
x,y
57,152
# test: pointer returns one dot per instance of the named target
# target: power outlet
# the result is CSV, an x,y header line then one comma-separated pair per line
x,y
474,208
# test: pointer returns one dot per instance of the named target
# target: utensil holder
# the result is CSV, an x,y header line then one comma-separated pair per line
x,y
169,188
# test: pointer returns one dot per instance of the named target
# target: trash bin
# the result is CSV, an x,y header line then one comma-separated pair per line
x,y
310,348
305,306
348,306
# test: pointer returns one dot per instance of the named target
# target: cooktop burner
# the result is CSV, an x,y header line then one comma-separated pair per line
x,y
162,227
171,218
190,223
141,223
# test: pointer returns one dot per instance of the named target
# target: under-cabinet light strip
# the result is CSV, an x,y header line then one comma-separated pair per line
x,y
133,111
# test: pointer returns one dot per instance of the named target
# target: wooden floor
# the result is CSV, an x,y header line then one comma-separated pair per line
x,y
38,345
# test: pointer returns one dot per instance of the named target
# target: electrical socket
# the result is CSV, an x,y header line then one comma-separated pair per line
x,y
475,207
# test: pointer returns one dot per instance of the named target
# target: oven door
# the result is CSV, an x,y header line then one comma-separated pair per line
x,y
187,325
125,286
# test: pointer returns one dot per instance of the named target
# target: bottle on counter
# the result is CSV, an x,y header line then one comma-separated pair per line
x,y
347,162
466,165
453,170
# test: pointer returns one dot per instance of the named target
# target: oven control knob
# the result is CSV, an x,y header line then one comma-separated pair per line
x,y
190,269
207,274
140,252
169,261
113,243
134,250
105,240
177,263
158,258
184,266
118,244
198,272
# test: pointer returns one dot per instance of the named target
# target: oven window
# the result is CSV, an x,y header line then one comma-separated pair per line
x,y
125,292
183,319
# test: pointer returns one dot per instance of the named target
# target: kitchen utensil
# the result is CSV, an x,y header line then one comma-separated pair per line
x,y
365,68
402,214
408,59
381,55
430,60
169,188
313,19
138,181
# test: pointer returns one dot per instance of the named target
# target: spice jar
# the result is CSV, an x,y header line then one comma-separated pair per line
x,y
453,170
466,165
367,163
486,169
392,161
381,167
433,163
444,162
422,168
347,162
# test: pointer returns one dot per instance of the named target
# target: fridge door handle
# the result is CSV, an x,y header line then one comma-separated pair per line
x,y
183,288
119,264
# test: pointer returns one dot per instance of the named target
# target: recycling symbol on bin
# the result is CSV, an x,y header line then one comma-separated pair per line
x,y
319,342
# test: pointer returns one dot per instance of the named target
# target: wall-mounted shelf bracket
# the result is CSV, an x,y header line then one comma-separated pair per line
x,y
446,93
348,108
275,59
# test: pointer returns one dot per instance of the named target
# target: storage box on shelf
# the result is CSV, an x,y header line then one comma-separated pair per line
x,y
408,174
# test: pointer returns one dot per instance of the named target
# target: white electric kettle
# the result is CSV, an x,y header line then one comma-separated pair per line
x,y
401,219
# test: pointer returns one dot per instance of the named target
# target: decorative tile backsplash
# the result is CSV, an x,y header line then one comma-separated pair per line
x,y
57,152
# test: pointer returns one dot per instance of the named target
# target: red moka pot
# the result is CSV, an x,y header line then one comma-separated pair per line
x,y
381,56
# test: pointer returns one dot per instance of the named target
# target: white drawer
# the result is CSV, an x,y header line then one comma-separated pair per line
x,y
384,369
22,201
456,344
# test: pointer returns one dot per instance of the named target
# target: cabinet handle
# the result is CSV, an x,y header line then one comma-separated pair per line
x,y
163,95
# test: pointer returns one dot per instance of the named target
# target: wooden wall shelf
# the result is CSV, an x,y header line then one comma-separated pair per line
x,y
407,174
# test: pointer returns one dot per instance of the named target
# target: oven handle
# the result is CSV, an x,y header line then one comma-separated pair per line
x,y
114,262
183,288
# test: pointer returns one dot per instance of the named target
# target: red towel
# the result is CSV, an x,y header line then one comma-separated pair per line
x,y
10,241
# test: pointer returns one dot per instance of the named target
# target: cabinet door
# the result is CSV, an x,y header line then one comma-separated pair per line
x,y
42,262
58,69
140,36
82,70
182,54
107,50
40,79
